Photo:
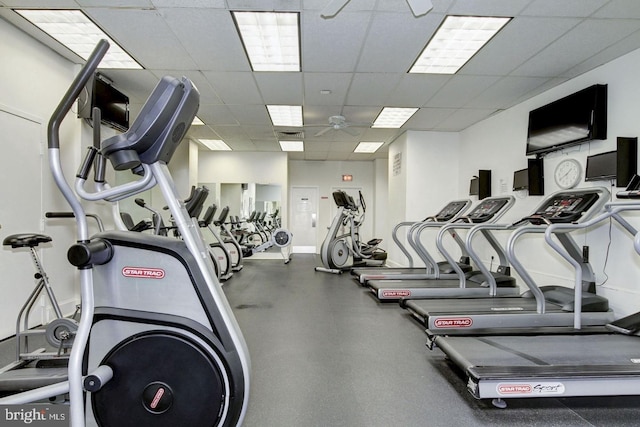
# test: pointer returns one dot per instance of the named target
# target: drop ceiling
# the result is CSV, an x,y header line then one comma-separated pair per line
x,y
361,56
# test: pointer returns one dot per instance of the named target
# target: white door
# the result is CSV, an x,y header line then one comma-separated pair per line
x,y
20,210
304,219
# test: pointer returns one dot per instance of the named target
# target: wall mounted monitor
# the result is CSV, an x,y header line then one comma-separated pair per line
x,y
571,120
601,166
113,104
474,186
521,180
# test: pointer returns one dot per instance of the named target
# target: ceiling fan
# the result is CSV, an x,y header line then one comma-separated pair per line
x,y
418,7
341,124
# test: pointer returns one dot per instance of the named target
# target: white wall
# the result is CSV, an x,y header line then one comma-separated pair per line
x,y
327,176
259,168
34,79
422,180
499,143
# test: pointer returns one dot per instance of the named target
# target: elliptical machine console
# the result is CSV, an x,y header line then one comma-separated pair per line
x,y
342,250
157,343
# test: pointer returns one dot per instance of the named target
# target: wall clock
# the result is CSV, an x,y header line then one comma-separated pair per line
x,y
568,173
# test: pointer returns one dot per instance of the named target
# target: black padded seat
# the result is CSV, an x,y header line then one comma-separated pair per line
x,y
25,240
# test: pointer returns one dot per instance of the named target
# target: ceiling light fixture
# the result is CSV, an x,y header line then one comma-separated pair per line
x,y
368,147
197,122
271,39
79,34
393,117
214,144
285,115
455,43
291,145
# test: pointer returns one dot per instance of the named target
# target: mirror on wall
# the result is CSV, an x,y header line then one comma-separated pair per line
x,y
244,198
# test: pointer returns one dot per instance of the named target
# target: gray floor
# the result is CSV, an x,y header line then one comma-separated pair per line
x,y
324,353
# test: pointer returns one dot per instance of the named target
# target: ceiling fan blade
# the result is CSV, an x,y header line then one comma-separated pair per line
x,y
420,7
323,131
333,8
350,131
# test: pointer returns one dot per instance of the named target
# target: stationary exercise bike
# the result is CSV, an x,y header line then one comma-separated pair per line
x,y
157,343
59,332
342,250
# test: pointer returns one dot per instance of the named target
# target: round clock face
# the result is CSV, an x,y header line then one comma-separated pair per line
x,y
568,173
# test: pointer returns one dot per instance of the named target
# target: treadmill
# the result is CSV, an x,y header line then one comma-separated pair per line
x,y
553,362
539,306
465,284
450,212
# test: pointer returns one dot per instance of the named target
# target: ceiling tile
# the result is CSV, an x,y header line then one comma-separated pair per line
x,y
414,90
380,52
516,43
463,118
579,8
234,88
337,83
371,88
250,115
459,89
209,36
501,94
589,37
280,88
332,45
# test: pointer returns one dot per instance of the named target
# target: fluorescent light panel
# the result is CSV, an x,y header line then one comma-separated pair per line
x,y
78,33
214,144
455,42
285,115
393,117
271,39
291,145
197,122
368,147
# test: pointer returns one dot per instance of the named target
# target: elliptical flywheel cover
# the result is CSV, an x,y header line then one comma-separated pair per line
x,y
161,380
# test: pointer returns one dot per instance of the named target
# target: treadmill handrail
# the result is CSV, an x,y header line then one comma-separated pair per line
x,y
431,221
474,256
603,195
612,210
493,286
403,248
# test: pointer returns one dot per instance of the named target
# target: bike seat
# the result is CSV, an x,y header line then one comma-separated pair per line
x,y
25,240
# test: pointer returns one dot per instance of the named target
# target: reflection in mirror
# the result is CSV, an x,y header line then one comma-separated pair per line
x,y
244,198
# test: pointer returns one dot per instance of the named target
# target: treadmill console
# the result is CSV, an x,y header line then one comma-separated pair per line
x,y
486,210
562,208
450,211
632,191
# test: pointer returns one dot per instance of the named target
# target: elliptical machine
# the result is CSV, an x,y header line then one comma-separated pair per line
x,y
340,252
157,343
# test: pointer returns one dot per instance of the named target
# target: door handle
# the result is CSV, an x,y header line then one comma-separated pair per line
x,y
313,220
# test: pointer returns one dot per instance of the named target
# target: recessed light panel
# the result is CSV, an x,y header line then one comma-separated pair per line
x,y
392,117
271,39
455,42
285,115
78,33
214,144
367,147
292,145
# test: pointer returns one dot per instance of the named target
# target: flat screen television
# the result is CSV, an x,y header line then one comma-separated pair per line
x,y
474,186
113,104
601,166
521,180
571,120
